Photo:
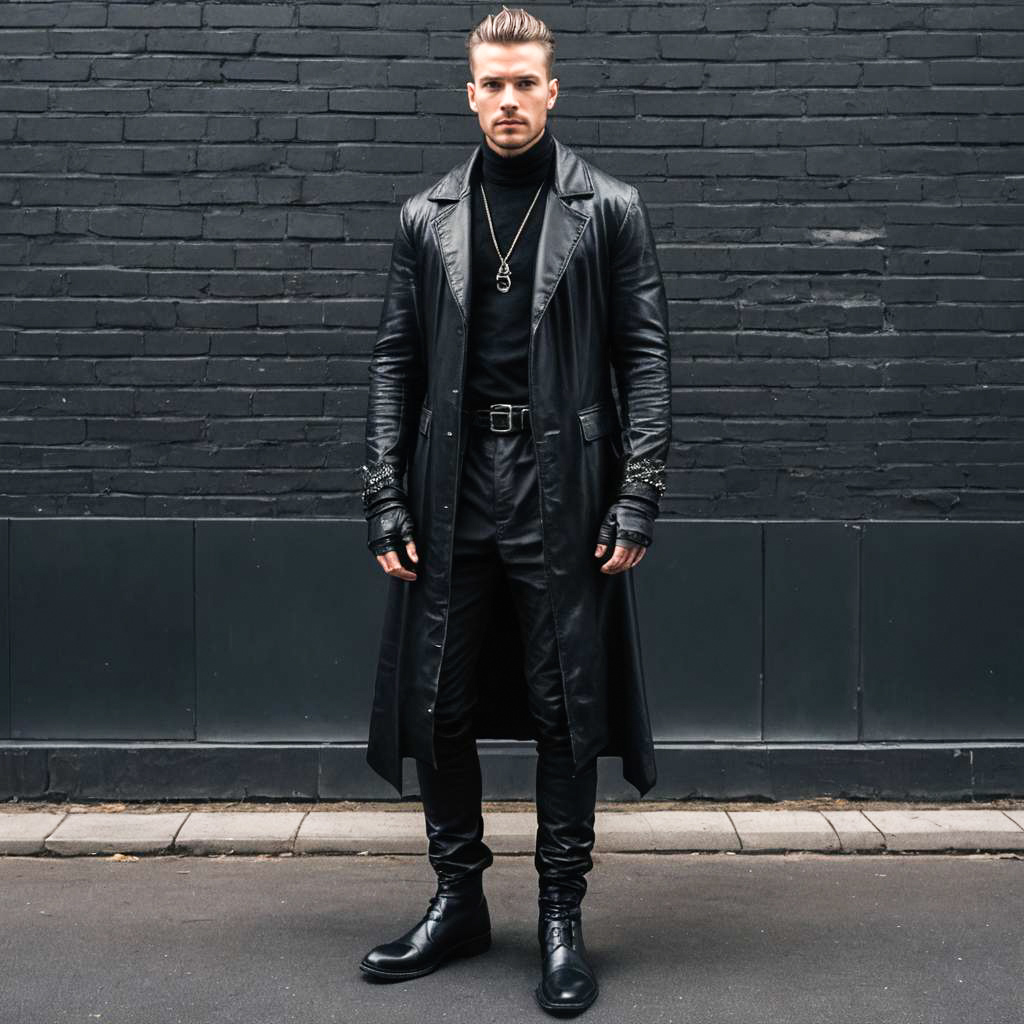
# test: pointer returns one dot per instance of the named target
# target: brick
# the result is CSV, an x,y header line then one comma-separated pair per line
x,y
835,190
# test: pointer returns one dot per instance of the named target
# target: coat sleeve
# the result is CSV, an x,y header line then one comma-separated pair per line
x,y
396,370
641,353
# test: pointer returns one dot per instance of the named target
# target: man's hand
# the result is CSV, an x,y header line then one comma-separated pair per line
x,y
391,564
629,524
389,526
625,557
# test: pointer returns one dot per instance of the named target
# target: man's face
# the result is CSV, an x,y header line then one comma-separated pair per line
x,y
511,94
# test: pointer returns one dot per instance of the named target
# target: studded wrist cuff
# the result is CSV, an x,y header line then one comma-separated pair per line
x,y
376,478
646,472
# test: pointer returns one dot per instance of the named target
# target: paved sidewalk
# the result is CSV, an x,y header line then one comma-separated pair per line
x,y
151,829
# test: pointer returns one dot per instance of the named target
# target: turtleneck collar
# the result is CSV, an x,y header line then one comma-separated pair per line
x,y
530,166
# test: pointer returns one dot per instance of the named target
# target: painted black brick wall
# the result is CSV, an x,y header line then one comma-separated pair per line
x,y
198,201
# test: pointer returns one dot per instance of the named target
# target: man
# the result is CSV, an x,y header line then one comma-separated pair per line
x,y
520,283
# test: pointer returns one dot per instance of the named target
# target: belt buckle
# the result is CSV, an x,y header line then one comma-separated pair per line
x,y
506,408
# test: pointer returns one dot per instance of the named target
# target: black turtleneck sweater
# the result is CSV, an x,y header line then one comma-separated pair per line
x,y
497,368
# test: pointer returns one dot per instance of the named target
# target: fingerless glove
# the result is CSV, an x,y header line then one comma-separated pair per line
x,y
389,523
629,522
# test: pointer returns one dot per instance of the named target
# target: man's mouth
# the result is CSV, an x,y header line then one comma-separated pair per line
x,y
510,122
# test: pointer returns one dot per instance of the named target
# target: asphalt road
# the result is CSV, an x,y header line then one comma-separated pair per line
x,y
748,939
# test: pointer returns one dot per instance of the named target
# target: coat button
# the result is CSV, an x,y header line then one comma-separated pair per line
x,y
455,391
429,709
450,434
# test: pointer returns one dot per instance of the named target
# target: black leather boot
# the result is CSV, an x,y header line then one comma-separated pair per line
x,y
565,837
458,921
568,984
457,924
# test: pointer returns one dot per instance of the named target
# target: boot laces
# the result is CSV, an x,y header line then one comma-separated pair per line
x,y
434,905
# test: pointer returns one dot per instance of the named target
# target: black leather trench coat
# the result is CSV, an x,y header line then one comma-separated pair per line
x,y
599,308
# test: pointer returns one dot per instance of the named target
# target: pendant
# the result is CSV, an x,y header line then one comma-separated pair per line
x,y
503,278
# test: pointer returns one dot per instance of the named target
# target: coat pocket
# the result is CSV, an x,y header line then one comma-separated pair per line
x,y
425,414
601,420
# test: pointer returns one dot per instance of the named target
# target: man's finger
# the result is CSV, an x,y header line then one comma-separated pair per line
x,y
397,569
392,565
625,557
615,563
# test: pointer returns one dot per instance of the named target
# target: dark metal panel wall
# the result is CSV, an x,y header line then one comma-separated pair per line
x,y
943,637
101,629
699,591
287,620
751,631
811,631
187,770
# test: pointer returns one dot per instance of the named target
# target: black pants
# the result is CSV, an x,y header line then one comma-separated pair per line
x,y
498,530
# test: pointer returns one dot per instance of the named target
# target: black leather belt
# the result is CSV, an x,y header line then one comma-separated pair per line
x,y
502,418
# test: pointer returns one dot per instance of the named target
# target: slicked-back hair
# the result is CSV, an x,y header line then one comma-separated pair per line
x,y
512,25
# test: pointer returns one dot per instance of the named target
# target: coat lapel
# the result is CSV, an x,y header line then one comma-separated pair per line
x,y
560,230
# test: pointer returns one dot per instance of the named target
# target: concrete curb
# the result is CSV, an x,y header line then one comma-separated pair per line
x,y
200,833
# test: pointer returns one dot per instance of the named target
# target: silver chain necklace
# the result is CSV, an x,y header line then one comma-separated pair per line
x,y
503,278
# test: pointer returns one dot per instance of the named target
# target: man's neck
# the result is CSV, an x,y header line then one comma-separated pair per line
x,y
522,169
